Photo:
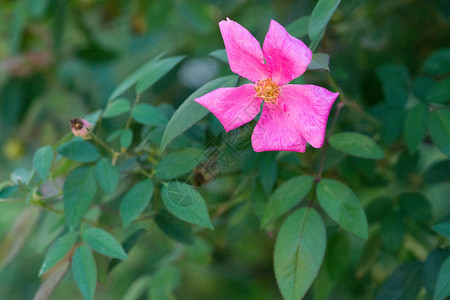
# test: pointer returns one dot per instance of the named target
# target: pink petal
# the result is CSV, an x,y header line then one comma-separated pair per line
x,y
232,106
244,51
275,131
286,56
309,107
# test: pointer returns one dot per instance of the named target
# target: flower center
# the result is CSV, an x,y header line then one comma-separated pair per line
x,y
267,90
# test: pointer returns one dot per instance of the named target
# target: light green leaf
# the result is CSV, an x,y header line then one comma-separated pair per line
x,y
320,17
148,115
319,61
116,107
443,228
185,203
103,242
356,144
131,79
58,251
135,201
107,175
285,197
299,251
439,128
156,72
342,205
179,162
126,138
42,161
415,126
79,191
79,150
84,272
190,112
299,28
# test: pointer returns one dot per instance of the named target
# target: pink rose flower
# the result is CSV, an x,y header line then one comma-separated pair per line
x,y
81,127
292,114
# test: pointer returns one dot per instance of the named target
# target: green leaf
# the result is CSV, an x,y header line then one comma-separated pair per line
x,y
268,170
148,115
79,191
126,138
438,63
107,175
131,79
285,197
299,251
179,162
190,112
319,61
175,228
79,150
103,242
42,161
439,128
114,135
185,203
438,172
415,126
116,107
443,228
156,72
127,245
320,17
357,145
8,191
299,28
220,54
439,92
84,272
135,201
431,268
415,206
404,283
163,282
58,251
342,205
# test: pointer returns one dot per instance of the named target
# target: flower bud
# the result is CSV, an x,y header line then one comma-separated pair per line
x,y
81,128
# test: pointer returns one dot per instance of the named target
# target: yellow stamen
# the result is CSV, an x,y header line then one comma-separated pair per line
x,y
267,90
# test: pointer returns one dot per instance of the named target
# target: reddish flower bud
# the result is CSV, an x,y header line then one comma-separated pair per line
x,y
81,127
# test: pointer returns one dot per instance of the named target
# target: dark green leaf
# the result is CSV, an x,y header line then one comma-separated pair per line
x,y
443,228
135,201
103,242
148,115
320,17
84,272
185,203
442,289
79,191
190,112
126,138
357,145
285,197
439,128
319,61
392,231
174,228
299,251
299,28
431,268
179,162
438,172
58,251
438,63
156,72
394,78
415,206
404,283
342,205
116,107
337,255
268,170
439,92
129,243
79,150
8,191
220,54
107,175
42,161
415,126
131,79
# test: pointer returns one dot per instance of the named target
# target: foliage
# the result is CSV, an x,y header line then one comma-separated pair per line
x,y
161,203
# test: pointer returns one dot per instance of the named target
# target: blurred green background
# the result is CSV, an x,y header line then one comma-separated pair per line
x,y
62,59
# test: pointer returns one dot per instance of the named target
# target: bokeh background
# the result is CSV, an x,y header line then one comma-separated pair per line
x,y
61,59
